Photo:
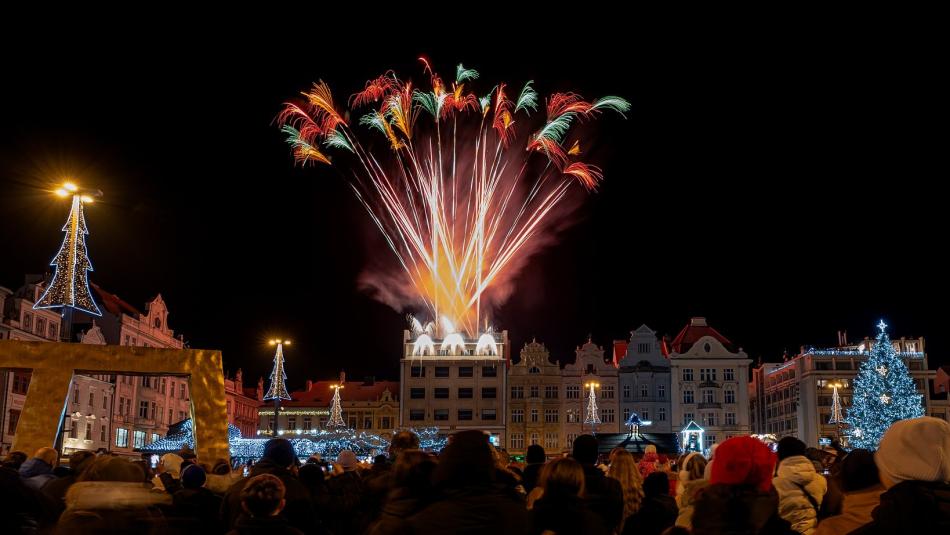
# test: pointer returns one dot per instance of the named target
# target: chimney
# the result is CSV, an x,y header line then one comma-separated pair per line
x,y
842,338
309,385
697,322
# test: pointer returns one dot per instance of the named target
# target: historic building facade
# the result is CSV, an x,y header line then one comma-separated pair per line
x,y
535,405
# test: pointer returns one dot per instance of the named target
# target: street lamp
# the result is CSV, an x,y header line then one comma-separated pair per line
x,y
592,416
278,380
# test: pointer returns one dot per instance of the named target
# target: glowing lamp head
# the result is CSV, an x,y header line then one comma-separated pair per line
x,y
61,192
70,187
87,199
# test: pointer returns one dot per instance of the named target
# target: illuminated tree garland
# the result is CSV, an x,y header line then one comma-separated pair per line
x,y
883,394
592,417
69,286
278,378
336,411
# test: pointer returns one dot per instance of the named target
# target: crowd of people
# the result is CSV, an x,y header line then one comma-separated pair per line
x,y
471,487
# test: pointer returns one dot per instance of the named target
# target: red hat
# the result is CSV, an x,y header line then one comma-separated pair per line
x,y
743,461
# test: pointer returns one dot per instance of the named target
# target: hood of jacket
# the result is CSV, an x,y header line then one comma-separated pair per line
x,y
35,467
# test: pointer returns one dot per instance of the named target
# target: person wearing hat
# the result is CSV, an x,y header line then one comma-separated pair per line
x,y
194,503
800,488
739,498
858,479
346,489
278,457
913,463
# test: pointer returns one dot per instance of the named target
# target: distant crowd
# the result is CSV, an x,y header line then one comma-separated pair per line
x,y
471,487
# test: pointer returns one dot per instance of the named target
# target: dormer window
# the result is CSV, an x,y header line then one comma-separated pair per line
x,y
158,323
590,368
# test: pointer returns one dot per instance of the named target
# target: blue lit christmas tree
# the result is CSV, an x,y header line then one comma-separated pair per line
x,y
883,394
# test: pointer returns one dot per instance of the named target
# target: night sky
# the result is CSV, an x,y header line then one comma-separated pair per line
x,y
781,184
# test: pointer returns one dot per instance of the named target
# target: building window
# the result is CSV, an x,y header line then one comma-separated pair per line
x,y
572,416
707,374
417,371
550,441
645,413
40,326
644,391
292,423
534,416
550,391
155,437
534,391
661,414
162,386
466,371
534,370
73,424
728,374
181,415
517,416
489,371
607,392
729,396
102,433
517,441
688,396
517,392
607,415
441,371
730,418
688,417
550,416
88,431
535,439
307,423
145,380
626,413
385,423
21,382
181,390
709,440
53,331
489,392
626,391
143,409
76,395
417,393
710,420
28,322
465,414
687,374
170,416
661,391
440,393
440,414
643,348
105,401
122,437
573,392
489,414
351,422
570,440
465,393
417,414
138,439
708,396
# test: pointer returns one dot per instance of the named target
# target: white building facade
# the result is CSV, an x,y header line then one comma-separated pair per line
x,y
709,383
645,386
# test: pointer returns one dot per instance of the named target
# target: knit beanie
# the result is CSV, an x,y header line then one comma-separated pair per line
x,y
743,461
193,477
915,450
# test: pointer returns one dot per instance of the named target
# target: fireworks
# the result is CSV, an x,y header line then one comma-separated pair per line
x,y
455,193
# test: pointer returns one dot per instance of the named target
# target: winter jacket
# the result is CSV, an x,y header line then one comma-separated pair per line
x,y
604,496
271,525
35,473
345,493
472,509
565,515
918,507
400,504
687,500
647,465
298,511
796,477
114,507
737,510
531,474
201,507
855,512
656,513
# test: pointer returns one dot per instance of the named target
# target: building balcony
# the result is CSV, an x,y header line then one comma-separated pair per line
x,y
145,422
709,384
713,405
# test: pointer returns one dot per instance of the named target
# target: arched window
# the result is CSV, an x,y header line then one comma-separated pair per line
x,y
158,323
534,370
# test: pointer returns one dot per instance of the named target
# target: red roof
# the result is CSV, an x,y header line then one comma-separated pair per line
x,y
321,394
113,303
620,351
694,330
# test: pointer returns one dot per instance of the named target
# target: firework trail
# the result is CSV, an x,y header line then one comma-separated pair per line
x,y
455,192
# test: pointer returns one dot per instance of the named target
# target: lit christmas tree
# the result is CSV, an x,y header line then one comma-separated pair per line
x,y
336,411
278,382
593,415
69,287
883,394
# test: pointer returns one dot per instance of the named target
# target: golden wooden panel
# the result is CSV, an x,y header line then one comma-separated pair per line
x,y
53,366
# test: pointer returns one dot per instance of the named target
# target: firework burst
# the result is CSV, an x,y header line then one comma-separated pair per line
x,y
454,196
